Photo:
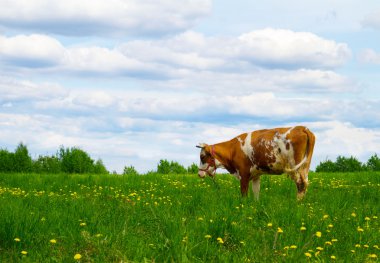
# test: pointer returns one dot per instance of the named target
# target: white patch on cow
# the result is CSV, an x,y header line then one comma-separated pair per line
x,y
284,156
246,146
237,175
218,164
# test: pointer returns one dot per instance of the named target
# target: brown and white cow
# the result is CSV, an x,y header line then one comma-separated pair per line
x,y
270,151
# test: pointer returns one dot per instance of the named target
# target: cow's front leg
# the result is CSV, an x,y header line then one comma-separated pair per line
x,y
244,183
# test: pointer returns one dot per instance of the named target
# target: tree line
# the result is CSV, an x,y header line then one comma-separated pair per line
x,y
74,160
349,164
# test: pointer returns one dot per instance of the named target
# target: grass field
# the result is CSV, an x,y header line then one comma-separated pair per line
x,y
180,218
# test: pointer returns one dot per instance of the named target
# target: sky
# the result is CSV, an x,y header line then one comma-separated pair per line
x,y
135,81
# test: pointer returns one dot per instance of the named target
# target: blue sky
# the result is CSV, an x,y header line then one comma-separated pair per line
x,y
136,81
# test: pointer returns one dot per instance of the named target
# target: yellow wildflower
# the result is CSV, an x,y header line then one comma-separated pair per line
x,y
82,224
293,246
302,228
17,239
269,225
372,256
207,236
320,248
24,252
328,243
334,240
333,257
279,230
325,216
53,241
331,226
367,218
77,256
360,229
308,254
353,215
220,240
318,234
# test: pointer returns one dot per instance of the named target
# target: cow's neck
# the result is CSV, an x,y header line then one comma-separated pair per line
x,y
223,153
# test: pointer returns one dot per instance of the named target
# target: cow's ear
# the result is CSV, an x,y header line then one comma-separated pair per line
x,y
201,145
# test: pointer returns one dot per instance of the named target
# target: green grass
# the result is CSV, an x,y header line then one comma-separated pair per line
x,y
179,218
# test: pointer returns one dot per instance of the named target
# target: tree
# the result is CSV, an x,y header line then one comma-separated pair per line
x,y
22,160
192,169
350,164
326,166
6,161
373,163
130,170
75,160
99,167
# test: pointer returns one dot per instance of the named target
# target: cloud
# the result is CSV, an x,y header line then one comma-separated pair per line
x,y
285,48
372,20
368,56
13,90
97,17
31,51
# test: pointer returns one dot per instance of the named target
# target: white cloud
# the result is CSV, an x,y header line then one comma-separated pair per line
x,y
21,90
113,17
372,20
369,56
273,47
31,51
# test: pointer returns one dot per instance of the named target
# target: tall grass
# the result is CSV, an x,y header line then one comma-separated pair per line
x,y
180,218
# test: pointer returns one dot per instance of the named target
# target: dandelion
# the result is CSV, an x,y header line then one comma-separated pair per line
x,y
279,230
308,254
357,245
360,229
325,216
220,240
269,225
376,246
17,239
200,218
83,224
328,243
293,246
53,241
372,256
367,218
320,248
352,251
366,246
302,228
318,234
24,252
207,236
334,240
353,215
77,256
330,225
333,257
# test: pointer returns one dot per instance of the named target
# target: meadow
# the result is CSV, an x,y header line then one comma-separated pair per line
x,y
181,218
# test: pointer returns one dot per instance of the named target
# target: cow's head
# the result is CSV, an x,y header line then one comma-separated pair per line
x,y
207,161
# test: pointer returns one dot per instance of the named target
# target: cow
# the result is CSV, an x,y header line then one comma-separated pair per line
x,y
269,151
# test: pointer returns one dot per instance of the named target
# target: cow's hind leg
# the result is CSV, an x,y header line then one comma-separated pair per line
x,y
300,177
256,187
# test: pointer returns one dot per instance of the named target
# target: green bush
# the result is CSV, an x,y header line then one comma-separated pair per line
x,y
75,160
130,170
6,161
99,167
344,164
192,169
166,167
47,164
373,163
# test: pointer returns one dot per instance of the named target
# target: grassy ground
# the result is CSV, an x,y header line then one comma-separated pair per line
x,y
180,218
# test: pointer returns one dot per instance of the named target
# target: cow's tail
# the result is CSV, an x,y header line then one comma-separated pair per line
x,y
308,152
